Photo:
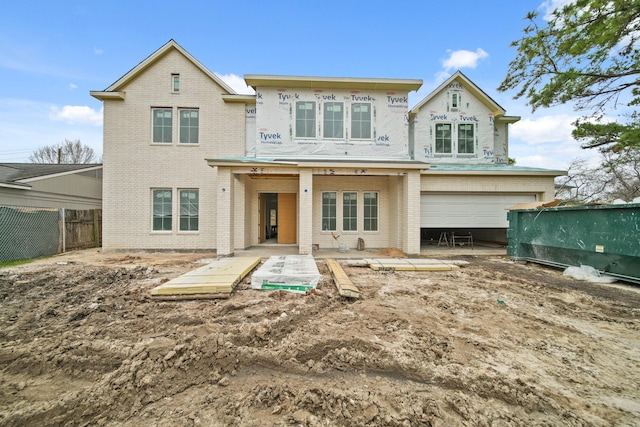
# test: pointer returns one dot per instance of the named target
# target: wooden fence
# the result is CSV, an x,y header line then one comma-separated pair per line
x,y
83,229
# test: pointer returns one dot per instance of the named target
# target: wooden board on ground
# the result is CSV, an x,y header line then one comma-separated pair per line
x,y
214,280
414,264
346,288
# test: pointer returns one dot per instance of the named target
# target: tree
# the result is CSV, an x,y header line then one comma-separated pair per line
x,y
587,54
68,152
617,178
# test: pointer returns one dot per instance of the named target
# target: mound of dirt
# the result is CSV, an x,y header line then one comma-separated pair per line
x,y
494,343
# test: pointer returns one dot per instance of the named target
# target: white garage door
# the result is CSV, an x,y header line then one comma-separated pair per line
x,y
468,210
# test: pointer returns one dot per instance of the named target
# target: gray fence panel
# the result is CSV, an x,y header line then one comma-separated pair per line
x,y
27,233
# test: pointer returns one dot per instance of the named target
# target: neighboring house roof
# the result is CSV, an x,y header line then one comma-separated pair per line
x,y
492,105
115,91
313,82
18,175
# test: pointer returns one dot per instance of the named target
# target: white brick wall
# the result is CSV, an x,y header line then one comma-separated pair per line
x,y
133,166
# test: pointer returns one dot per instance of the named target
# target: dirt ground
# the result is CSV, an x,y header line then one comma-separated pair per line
x,y
493,344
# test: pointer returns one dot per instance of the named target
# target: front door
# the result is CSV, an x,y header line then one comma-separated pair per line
x,y
287,218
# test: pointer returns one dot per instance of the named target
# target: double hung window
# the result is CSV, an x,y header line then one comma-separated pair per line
x,y
329,211
305,119
162,209
162,125
333,125
350,211
189,205
465,138
189,124
443,138
361,120
370,211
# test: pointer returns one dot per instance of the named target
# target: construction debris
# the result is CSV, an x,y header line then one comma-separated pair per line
x,y
417,264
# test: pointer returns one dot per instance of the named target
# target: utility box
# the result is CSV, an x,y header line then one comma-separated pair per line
x,y
606,237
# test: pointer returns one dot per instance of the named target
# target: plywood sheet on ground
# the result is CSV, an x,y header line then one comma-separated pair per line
x,y
216,279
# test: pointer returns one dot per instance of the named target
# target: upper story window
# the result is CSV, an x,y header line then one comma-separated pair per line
x,y
162,125
189,124
305,119
175,83
361,120
443,138
465,138
333,125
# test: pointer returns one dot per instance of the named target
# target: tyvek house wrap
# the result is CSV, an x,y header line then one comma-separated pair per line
x,y
276,124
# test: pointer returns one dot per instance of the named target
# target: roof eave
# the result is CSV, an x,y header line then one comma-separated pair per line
x,y
104,96
242,99
315,82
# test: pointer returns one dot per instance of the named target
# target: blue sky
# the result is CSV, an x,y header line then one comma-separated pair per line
x,y
53,53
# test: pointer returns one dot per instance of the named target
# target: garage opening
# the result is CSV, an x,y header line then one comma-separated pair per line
x,y
482,215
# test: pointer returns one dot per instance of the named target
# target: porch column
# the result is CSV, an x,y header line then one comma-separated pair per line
x,y
305,211
411,215
224,218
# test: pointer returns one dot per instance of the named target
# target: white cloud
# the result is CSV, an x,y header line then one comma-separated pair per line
x,y
545,129
73,86
76,114
548,6
97,51
463,59
236,83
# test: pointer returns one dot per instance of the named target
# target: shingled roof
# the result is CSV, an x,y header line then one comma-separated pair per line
x,y
17,174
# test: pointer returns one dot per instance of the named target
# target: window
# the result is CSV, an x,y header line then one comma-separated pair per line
x,y
361,120
333,120
189,126
162,125
350,211
455,101
175,83
162,218
305,119
189,210
443,138
370,211
465,138
329,211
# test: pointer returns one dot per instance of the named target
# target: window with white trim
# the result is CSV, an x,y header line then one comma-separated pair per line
x,y
189,124
329,211
305,119
175,83
189,207
361,120
370,211
162,125
162,209
333,122
466,140
350,211
443,138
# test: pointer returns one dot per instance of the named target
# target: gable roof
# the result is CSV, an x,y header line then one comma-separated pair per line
x,y
492,105
115,91
18,175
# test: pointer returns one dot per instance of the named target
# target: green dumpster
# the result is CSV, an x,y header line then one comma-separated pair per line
x,y
606,237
